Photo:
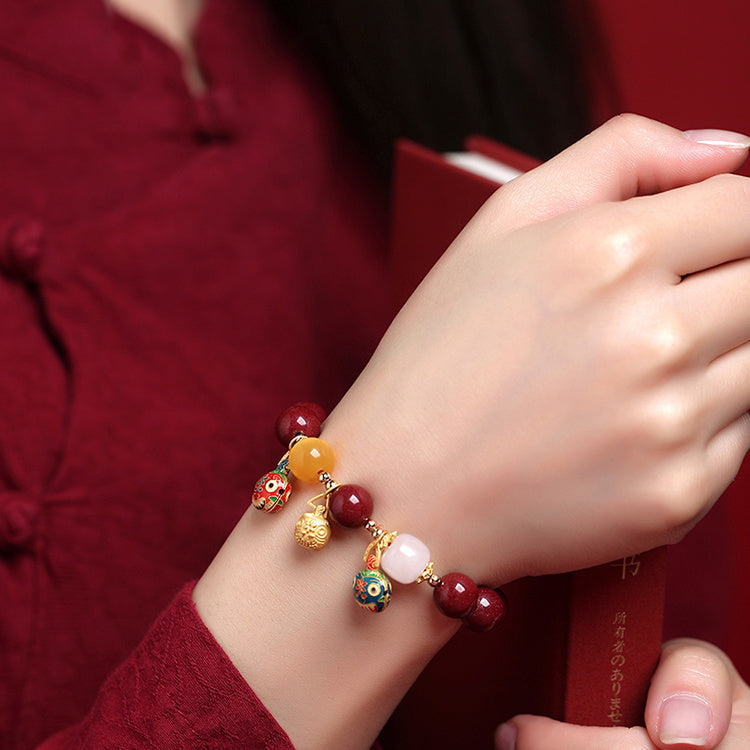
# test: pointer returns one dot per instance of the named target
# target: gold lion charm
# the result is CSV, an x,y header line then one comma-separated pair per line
x,y
313,530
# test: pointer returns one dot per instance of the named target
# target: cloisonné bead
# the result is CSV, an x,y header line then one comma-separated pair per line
x,y
309,457
456,596
372,590
302,418
273,489
350,505
405,558
490,608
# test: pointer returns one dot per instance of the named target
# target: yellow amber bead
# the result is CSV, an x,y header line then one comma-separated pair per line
x,y
309,457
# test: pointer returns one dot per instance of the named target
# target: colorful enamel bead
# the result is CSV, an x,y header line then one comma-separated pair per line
x,y
273,489
372,590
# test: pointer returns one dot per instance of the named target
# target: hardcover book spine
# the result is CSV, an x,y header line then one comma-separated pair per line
x,y
614,639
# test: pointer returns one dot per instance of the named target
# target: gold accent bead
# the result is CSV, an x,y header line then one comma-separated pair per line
x,y
427,573
381,543
313,530
374,528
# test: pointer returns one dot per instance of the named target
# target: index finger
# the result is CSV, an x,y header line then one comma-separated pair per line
x,y
627,156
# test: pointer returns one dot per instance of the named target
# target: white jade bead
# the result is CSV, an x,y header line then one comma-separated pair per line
x,y
405,559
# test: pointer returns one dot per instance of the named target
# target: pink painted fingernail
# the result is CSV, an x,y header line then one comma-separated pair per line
x,y
505,737
722,138
685,720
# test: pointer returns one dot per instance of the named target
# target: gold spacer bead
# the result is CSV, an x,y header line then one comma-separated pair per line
x,y
386,539
374,528
427,573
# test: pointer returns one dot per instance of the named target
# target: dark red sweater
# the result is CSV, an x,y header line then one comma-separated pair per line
x,y
173,272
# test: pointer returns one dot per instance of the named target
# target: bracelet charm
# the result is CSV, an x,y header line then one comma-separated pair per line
x,y
372,590
313,530
273,489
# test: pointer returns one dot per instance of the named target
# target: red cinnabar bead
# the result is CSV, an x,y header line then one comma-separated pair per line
x,y
490,609
303,417
350,505
316,409
457,596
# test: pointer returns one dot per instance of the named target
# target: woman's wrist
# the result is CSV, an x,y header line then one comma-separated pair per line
x,y
416,475
330,672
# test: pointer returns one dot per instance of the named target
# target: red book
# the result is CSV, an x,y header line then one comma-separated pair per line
x,y
579,647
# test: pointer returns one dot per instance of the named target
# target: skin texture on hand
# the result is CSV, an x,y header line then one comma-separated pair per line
x,y
569,379
696,700
567,386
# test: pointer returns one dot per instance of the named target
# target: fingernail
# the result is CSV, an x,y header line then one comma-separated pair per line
x,y
723,138
506,737
685,719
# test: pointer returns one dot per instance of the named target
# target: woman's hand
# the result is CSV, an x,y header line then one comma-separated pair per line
x,y
567,386
696,700
570,382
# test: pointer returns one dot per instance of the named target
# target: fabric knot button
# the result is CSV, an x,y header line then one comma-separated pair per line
x,y
215,116
18,516
21,248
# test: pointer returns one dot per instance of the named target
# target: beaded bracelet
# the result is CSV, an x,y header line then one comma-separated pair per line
x,y
403,557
